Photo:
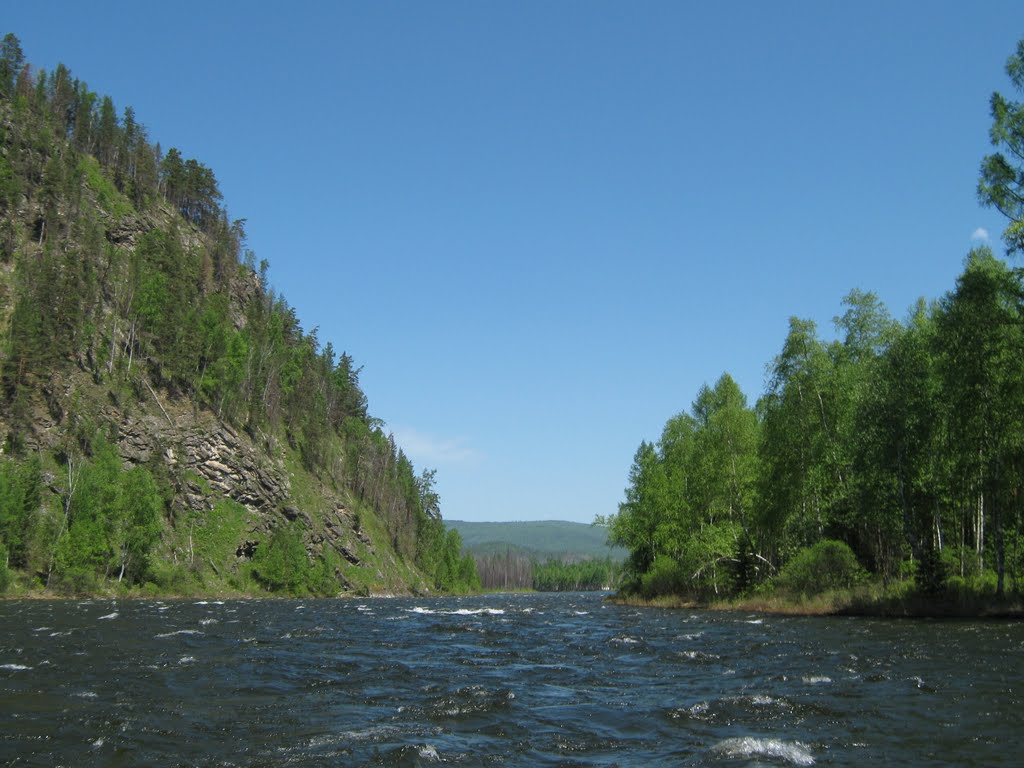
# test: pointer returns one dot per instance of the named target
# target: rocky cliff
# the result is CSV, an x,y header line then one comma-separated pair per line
x,y
165,422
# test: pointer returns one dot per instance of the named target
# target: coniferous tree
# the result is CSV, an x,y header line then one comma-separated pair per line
x,y
1001,184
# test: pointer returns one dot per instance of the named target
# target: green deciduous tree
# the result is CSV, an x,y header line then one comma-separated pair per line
x,y
898,448
980,336
113,520
641,521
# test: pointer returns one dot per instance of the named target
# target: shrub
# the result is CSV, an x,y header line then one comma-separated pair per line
x,y
826,566
930,574
665,577
213,537
282,564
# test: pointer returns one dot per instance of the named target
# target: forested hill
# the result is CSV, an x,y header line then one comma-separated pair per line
x,y
165,422
542,539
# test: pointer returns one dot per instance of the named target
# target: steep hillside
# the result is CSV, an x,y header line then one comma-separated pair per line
x,y
165,422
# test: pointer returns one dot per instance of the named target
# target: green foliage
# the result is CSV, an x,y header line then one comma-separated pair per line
x,y
826,566
562,576
930,574
1001,183
665,577
282,565
127,269
21,488
10,190
112,520
690,498
900,441
323,574
441,557
5,572
213,538
107,195
11,62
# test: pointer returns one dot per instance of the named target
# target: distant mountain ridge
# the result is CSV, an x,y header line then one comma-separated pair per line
x,y
541,538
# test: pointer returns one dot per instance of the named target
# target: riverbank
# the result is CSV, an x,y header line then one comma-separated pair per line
x,y
897,601
22,589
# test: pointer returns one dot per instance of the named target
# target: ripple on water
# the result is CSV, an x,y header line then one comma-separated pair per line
x,y
731,710
470,701
381,686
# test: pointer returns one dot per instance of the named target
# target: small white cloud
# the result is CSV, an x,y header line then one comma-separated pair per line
x,y
427,450
980,234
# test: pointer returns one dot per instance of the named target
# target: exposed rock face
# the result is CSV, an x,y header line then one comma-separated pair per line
x,y
207,460
230,463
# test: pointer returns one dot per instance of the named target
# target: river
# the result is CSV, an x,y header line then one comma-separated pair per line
x,y
498,680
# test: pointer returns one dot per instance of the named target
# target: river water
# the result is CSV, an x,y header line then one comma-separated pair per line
x,y
499,680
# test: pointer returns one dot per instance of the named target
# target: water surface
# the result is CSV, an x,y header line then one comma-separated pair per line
x,y
524,680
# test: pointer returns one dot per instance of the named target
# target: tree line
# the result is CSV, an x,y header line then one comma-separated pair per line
x,y
515,569
899,444
178,302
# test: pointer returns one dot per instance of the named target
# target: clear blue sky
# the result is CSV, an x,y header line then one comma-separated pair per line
x,y
542,226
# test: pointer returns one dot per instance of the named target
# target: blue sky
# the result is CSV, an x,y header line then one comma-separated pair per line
x,y
542,226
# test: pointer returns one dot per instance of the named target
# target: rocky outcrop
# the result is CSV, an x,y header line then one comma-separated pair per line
x,y
210,458
207,460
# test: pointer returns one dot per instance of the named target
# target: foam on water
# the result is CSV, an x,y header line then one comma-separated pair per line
x,y
457,612
816,679
108,616
478,612
428,752
625,640
760,700
699,655
14,667
179,632
746,747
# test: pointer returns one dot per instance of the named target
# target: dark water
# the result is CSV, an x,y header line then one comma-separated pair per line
x,y
532,680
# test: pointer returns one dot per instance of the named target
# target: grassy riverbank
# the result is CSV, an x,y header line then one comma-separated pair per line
x,y
899,600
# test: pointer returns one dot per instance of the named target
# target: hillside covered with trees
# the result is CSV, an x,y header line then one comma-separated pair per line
x,y
545,555
165,422
893,452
